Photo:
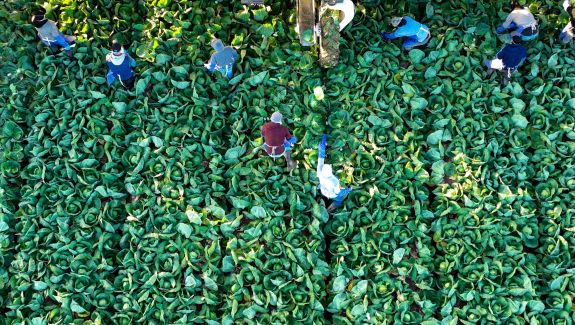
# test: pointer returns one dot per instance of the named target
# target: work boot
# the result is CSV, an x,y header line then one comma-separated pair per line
x,y
331,208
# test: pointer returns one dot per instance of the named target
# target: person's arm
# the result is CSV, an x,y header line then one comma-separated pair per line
x,y
133,62
320,163
211,65
289,138
567,28
564,31
263,132
567,33
321,153
507,23
408,29
110,77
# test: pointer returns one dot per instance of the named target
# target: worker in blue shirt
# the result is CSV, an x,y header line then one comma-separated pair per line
x,y
223,60
416,33
508,59
520,22
120,64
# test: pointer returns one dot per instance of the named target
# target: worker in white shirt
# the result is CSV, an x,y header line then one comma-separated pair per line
x,y
520,22
328,182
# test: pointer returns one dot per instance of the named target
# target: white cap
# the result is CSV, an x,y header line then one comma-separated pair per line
x,y
277,117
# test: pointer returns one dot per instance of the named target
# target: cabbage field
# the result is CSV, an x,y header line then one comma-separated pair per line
x,y
157,205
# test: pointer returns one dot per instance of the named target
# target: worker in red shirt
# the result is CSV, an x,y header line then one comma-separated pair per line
x,y
278,140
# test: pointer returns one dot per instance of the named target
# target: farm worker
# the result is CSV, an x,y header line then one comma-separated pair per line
x,y
568,32
278,140
520,22
328,182
416,33
49,33
508,59
120,64
223,59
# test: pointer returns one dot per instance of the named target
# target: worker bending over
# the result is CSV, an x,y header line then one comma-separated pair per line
x,y
278,140
520,22
49,33
223,60
508,59
416,33
328,182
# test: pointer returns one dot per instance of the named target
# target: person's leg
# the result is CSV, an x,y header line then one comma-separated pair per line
x,y
412,42
61,41
331,207
53,46
425,41
129,83
489,69
229,72
338,200
529,38
287,154
505,76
